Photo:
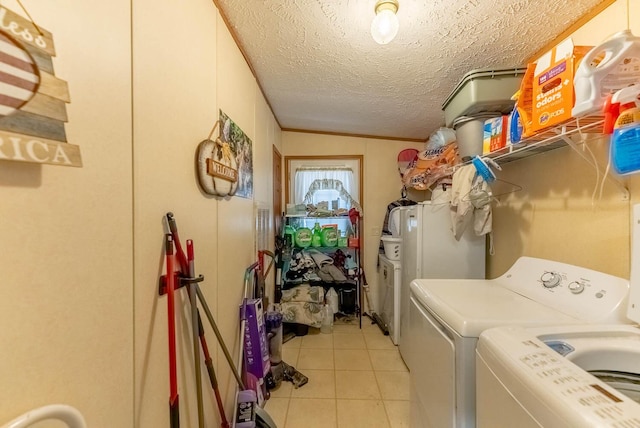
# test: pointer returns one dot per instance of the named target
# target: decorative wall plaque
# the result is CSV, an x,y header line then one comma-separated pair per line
x,y
32,99
225,165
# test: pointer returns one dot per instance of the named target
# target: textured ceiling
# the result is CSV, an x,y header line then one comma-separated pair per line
x,y
320,70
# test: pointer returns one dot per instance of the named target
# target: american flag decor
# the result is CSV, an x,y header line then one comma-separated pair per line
x,y
32,99
19,78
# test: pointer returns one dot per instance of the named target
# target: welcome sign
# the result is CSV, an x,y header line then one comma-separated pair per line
x,y
32,99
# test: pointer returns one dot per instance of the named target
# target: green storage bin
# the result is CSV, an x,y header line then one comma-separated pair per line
x,y
482,91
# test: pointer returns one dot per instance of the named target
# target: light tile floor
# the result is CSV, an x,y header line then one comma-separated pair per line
x,y
356,379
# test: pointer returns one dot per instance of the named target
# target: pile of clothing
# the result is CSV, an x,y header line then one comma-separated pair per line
x,y
309,264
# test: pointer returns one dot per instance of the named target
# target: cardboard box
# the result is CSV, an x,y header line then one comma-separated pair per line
x,y
553,94
496,131
256,348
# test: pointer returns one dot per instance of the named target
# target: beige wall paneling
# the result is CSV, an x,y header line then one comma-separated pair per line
x,y
267,132
262,145
608,22
175,107
66,233
311,144
236,96
380,179
553,217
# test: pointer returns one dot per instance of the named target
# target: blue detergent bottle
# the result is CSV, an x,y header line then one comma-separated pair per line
x,y
625,141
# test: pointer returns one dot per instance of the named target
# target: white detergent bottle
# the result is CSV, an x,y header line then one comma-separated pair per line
x,y
327,319
607,68
332,300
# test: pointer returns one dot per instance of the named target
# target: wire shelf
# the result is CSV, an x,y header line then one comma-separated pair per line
x,y
548,139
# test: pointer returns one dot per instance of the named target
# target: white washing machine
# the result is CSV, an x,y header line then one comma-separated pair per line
x,y
446,317
572,376
389,278
583,376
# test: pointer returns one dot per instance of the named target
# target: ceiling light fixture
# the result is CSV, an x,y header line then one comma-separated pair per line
x,y
385,25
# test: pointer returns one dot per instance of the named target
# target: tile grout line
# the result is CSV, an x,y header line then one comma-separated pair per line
x,y
286,412
335,378
362,334
384,407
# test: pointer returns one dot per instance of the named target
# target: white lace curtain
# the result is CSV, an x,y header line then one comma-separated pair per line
x,y
305,177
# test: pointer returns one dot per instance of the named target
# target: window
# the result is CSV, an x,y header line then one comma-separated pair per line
x,y
328,182
330,185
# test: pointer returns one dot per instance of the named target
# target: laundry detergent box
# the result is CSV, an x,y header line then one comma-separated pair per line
x,y
256,348
553,92
495,135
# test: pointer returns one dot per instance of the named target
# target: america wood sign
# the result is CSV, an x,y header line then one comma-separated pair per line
x,y
32,99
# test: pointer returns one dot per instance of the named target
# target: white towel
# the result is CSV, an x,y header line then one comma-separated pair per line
x,y
470,202
461,207
480,197
319,258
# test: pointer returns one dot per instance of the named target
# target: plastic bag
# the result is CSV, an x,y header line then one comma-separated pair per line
x,y
431,165
440,138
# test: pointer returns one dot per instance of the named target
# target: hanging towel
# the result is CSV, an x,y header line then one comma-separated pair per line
x,y
470,203
441,193
480,197
461,207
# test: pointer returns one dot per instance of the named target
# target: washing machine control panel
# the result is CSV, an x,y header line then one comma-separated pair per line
x,y
550,279
553,279
576,291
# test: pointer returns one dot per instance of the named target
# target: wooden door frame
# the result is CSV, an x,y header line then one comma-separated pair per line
x,y
277,215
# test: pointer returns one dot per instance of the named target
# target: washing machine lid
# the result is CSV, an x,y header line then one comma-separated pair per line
x,y
472,306
554,390
595,347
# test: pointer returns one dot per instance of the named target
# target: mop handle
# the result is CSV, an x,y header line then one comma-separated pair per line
x,y
194,330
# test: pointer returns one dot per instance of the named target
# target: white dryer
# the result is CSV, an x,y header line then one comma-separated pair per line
x,y
446,317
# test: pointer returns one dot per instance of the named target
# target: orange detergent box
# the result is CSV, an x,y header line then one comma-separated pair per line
x,y
553,94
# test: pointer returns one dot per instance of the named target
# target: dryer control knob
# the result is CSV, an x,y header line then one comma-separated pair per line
x,y
576,287
550,279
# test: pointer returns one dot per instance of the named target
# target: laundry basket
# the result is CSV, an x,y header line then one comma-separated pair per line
x,y
391,247
62,412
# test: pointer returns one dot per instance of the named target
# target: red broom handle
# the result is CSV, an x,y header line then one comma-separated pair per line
x,y
173,378
182,259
